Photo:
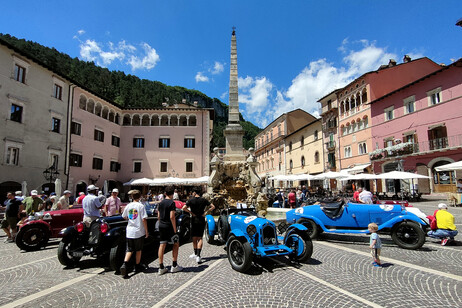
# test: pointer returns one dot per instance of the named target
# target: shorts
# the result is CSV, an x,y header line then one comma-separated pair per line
x,y
166,234
9,222
135,244
198,226
375,253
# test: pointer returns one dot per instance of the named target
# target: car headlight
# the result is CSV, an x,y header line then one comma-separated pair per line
x,y
251,230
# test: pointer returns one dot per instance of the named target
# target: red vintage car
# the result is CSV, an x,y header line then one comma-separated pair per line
x,y
36,230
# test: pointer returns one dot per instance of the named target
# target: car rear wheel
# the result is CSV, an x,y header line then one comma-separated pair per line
x,y
117,255
223,228
408,235
239,254
302,246
64,257
32,237
313,228
208,238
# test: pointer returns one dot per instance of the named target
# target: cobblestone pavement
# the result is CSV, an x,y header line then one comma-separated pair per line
x,y
339,274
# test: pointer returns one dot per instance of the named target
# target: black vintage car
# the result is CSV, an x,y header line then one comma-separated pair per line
x,y
106,237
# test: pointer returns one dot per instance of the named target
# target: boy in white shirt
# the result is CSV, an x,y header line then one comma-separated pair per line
x,y
137,230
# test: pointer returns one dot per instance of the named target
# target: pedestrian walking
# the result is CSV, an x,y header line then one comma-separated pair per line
x,y
137,230
198,207
446,228
12,209
168,231
375,244
91,205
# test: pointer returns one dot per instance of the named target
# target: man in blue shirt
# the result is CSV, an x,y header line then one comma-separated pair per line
x,y
91,206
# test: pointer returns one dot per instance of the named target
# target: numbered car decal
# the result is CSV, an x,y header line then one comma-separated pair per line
x,y
299,211
387,207
249,219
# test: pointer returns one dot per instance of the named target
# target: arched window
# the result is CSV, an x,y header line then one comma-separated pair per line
x,y
155,120
127,120
302,141
303,161
117,118
192,120
290,146
111,116
83,102
146,121
91,106
316,157
98,109
291,164
174,120
136,120
164,120
105,112
183,120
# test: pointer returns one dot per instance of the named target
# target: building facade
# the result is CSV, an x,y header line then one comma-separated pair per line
x,y
417,128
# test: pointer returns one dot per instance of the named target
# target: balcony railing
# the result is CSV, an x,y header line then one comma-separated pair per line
x,y
330,145
421,147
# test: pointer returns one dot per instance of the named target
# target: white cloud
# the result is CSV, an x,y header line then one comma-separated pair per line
x,y
217,68
201,78
89,50
264,102
147,62
81,32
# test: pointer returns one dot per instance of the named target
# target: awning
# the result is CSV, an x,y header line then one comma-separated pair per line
x,y
449,167
356,169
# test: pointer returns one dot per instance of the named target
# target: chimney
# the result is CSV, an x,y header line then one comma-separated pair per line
x,y
164,104
195,103
391,63
406,59
183,101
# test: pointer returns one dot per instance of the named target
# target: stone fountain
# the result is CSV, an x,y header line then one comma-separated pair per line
x,y
233,179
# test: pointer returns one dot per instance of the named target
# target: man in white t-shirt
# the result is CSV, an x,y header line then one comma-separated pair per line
x,y
365,196
137,230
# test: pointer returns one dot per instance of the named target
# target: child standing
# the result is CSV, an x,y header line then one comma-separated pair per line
x,y
137,230
375,244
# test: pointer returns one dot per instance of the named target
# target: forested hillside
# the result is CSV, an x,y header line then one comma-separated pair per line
x,y
129,90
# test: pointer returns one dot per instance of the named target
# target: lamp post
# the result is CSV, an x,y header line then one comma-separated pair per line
x,y
50,174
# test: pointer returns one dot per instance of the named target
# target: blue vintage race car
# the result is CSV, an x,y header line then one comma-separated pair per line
x,y
407,229
247,236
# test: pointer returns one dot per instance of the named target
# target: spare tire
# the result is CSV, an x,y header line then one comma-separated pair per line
x,y
223,228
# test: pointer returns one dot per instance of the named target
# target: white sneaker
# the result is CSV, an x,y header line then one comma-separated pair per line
x,y
162,271
176,269
192,256
198,259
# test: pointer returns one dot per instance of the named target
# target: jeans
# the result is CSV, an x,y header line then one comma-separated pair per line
x,y
441,234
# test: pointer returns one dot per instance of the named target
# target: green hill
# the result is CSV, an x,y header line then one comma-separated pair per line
x,y
128,90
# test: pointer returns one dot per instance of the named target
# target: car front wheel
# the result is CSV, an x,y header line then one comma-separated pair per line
x,y
301,245
32,237
408,235
239,254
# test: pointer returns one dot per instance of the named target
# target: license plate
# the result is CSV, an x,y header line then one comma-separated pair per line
x,y
77,254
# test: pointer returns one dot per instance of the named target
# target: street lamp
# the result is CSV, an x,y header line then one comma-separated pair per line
x,y
51,174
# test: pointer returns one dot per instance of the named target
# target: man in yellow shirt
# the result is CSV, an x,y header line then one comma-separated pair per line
x,y
445,222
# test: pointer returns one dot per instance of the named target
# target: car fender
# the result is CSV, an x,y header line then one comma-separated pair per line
x,y
392,222
294,228
116,232
316,220
239,234
68,232
211,223
37,223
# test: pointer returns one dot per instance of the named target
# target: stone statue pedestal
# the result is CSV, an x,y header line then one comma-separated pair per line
x,y
234,147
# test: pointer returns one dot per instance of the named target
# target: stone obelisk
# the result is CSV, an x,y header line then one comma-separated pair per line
x,y
233,132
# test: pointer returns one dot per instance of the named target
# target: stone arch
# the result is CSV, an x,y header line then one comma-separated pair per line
x,y
91,105
127,120
117,118
111,116
155,120
174,120
183,120
105,112
192,120
83,102
145,120
98,109
164,120
136,120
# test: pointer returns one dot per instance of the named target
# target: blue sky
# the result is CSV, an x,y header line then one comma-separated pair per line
x,y
290,53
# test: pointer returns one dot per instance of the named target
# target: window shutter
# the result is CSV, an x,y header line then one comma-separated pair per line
x,y
134,142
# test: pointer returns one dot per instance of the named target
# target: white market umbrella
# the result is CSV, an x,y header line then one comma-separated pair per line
x,y
450,167
329,175
362,176
303,177
24,188
139,182
129,182
58,187
401,175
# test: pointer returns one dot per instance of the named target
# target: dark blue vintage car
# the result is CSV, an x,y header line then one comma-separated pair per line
x,y
407,229
247,236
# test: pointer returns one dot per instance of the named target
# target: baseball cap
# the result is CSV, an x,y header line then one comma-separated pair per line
x,y
92,187
442,206
66,192
115,190
33,193
81,193
53,194
134,191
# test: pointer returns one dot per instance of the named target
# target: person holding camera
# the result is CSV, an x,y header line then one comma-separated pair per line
x,y
167,229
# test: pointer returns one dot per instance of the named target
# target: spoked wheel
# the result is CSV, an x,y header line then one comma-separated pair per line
x,y
301,245
239,254
408,235
64,257
31,238
313,229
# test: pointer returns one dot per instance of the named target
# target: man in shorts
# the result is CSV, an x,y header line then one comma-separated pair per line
x,y
13,208
198,208
137,230
167,229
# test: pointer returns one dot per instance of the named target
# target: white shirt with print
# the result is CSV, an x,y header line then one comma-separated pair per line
x,y
135,212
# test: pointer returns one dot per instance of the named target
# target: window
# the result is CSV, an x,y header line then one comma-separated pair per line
x,y
290,146
389,114
138,142
136,166
75,160
434,97
19,73
97,163
315,135
189,166
303,161
115,141
12,156
16,113
57,91
163,166
189,142
54,159
99,135
55,125
316,157
164,143
76,128
302,141
291,164
409,105
347,152
362,149
114,166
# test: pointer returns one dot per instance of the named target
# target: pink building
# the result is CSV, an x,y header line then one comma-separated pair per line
x,y
111,145
418,127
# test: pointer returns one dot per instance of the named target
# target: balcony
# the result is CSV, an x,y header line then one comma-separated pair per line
x,y
330,145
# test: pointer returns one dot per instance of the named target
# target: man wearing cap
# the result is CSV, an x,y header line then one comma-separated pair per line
x,y
445,223
113,203
33,203
18,195
12,210
63,203
91,205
